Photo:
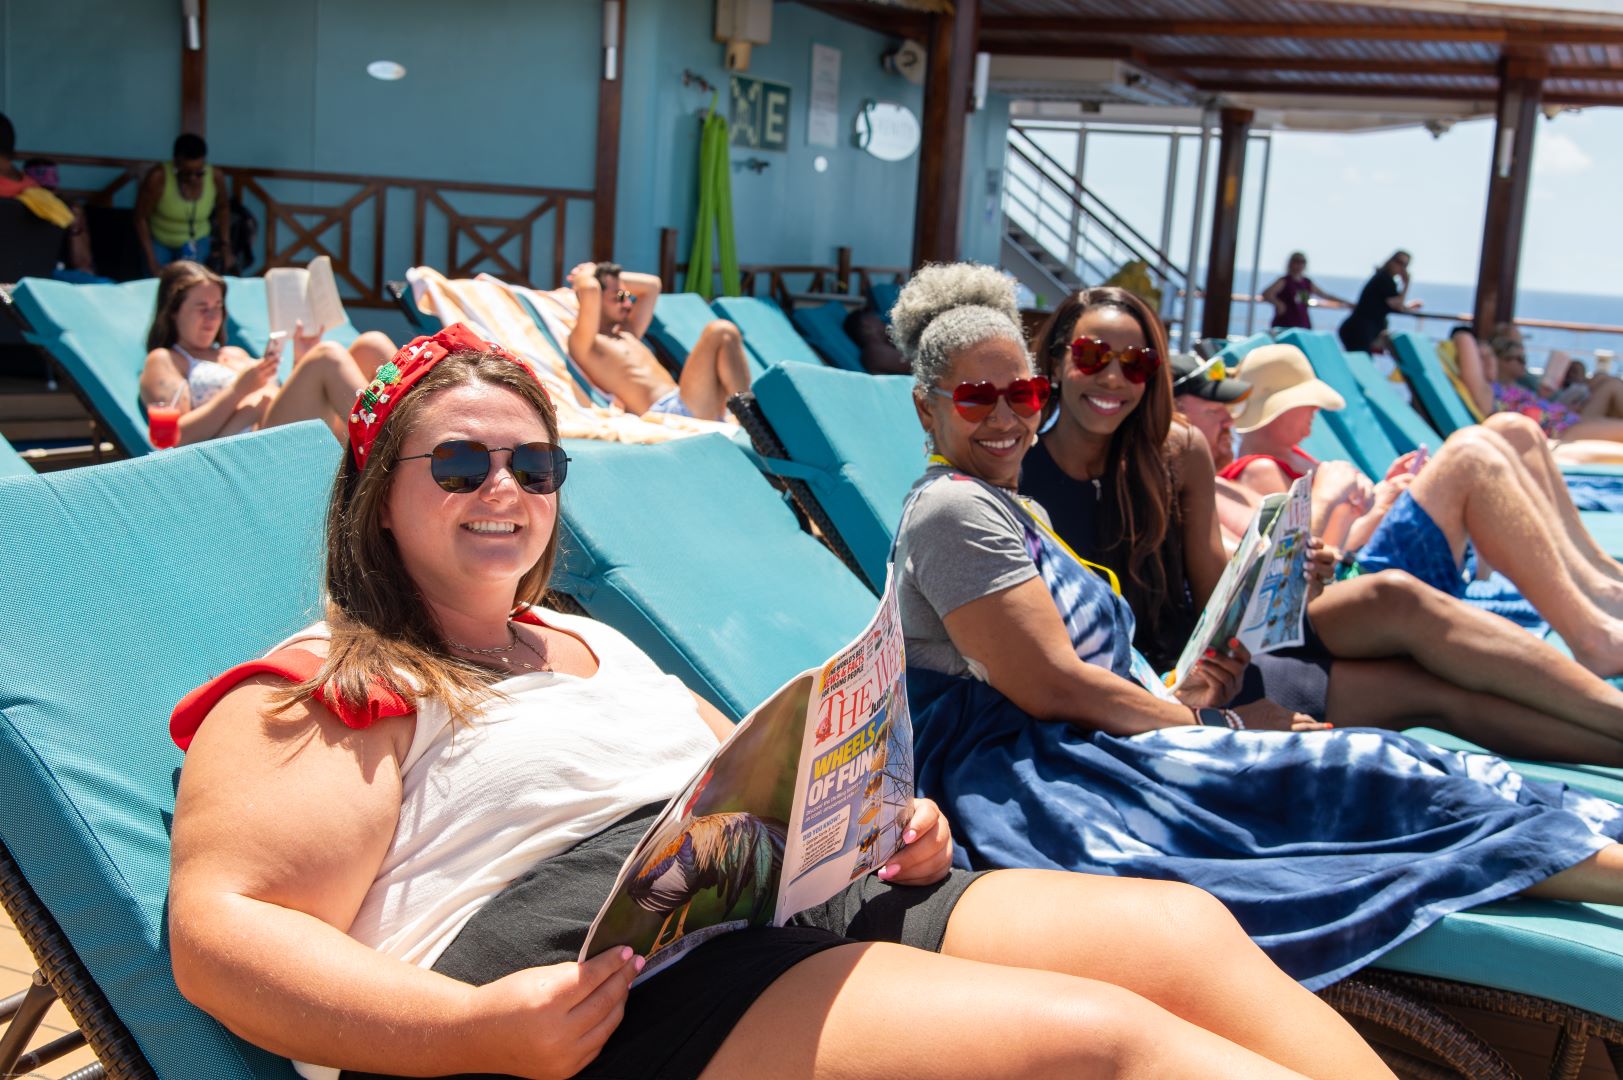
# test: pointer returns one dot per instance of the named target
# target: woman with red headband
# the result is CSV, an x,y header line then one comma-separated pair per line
x,y
392,833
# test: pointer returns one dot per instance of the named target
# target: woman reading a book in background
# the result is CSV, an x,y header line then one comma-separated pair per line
x,y
397,827
1132,487
1050,743
218,389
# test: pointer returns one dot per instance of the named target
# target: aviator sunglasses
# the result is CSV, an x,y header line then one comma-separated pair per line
x,y
1138,362
460,466
975,401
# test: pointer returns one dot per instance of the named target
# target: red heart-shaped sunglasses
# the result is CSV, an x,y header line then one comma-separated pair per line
x,y
975,401
1138,362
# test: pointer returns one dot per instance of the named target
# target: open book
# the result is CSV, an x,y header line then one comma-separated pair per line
x,y
309,296
811,791
1262,594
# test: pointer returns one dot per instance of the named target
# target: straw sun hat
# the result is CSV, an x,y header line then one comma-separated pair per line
x,y
1281,379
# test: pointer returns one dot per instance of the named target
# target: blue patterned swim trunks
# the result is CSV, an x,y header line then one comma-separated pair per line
x,y
1409,540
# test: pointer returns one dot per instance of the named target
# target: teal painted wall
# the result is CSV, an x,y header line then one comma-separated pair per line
x,y
496,91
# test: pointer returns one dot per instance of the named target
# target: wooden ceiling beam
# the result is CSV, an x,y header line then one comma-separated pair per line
x,y
1518,33
1320,64
1409,90
899,22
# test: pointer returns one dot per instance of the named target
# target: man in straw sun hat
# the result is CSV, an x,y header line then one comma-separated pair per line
x,y
1278,415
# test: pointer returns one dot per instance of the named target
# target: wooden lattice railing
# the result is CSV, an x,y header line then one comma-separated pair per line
x,y
508,230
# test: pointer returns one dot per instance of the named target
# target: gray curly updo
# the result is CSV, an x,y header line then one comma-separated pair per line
x,y
948,307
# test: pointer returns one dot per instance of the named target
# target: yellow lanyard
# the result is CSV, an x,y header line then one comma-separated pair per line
x,y
1020,501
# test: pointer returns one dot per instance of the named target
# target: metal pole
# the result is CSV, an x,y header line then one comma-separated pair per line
x,y
1076,210
1262,213
1195,229
1167,300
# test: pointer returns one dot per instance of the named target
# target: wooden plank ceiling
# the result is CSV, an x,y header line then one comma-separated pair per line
x,y
1297,47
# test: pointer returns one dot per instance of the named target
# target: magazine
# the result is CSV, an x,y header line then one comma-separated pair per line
x,y
811,791
1263,591
308,295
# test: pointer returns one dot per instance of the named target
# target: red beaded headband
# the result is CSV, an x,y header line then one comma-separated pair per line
x,y
394,381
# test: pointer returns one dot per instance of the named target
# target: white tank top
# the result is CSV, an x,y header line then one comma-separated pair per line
x,y
558,760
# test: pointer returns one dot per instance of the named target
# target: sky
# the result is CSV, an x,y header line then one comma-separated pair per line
x,y
1350,200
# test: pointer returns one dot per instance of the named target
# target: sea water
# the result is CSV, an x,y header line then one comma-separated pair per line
x,y
1455,299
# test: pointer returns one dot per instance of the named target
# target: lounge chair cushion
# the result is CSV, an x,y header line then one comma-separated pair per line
x,y
11,462
1405,427
679,319
1416,355
127,585
685,548
824,327
862,435
1361,433
768,334
98,334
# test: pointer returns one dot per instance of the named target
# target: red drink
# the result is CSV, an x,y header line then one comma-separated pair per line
x,y
163,425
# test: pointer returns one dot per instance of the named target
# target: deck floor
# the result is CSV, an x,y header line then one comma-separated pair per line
x,y
16,969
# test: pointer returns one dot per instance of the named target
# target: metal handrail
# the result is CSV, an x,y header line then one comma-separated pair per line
x,y
1161,258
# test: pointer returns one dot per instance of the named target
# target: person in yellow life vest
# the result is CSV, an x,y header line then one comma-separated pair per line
x,y
15,184
181,210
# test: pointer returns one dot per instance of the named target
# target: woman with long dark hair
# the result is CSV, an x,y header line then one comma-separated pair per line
x,y
220,389
1382,650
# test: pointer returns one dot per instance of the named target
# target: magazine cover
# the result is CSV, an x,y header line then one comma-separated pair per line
x,y
812,790
1263,591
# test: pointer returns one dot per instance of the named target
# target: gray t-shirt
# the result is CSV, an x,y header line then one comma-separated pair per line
x,y
958,541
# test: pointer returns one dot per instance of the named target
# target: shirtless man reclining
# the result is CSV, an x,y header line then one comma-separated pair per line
x,y
615,310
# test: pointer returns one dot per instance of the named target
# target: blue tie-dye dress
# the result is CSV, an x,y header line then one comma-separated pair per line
x,y
1329,847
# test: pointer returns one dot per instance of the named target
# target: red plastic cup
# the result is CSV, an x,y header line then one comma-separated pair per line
x,y
163,425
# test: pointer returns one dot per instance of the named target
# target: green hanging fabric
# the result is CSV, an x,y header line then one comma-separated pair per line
x,y
715,214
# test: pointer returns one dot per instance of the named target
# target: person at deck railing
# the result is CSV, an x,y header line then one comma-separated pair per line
x,y
1051,743
220,389
392,833
616,308
1386,291
1493,484
1291,293
1132,488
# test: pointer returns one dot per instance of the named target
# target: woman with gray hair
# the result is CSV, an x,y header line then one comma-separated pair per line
x,y
1051,743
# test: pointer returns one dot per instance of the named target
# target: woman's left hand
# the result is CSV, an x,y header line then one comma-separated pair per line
x,y
926,855
1320,567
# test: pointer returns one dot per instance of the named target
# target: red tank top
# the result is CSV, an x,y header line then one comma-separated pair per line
x,y
1233,469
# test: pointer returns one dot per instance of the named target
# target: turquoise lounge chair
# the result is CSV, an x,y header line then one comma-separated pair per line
x,y
679,320
706,602
1405,427
97,336
1416,355
11,462
824,327
883,296
1355,424
1236,351
768,334
108,624
853,440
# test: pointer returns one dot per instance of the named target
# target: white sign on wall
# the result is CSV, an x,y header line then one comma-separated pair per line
x,y
823,111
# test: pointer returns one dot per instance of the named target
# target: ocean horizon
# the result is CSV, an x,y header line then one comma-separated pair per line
x,y
1451,299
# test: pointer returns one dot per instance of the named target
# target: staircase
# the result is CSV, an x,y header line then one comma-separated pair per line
x,y
1059,237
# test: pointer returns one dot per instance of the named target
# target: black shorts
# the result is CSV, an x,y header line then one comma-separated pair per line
x,y
1297,679
675,1022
